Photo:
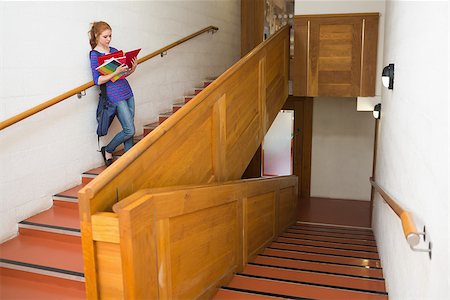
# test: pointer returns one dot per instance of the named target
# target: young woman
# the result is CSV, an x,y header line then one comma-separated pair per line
x,y
118,92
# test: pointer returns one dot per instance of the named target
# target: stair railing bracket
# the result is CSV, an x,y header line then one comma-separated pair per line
x,y
163,53
81,94
422,250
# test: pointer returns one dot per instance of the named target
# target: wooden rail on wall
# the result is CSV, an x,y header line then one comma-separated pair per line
x,y
83,87
185,242
409,228
210,139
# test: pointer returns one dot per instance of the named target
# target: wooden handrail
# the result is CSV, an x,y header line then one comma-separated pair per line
x,y
409,228
79,89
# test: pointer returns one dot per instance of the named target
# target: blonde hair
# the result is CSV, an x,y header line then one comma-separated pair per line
x,y
96,29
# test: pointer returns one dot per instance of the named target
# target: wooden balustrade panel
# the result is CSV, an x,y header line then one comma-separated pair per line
x,y
109,270
287,208
202,249
260,222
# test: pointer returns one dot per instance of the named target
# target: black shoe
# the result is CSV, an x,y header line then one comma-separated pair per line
x,y
108,162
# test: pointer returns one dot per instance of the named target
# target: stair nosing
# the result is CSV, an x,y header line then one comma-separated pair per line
x,y
360,228
278,296
338,255
50,228
320,241
336,248
321,262
329,236
320,272
312,284
43,270
65,198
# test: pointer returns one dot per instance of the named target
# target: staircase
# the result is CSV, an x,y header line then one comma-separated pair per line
x,y
45,260
311,261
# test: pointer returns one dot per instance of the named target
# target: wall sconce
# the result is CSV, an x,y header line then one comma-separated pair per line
x,y
388,76
377,111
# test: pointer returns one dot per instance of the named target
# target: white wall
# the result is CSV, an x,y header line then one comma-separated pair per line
x,y
413,158
342,149
44,52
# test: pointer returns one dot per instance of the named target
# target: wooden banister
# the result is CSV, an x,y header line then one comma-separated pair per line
x,y
409,228
77,90
211,139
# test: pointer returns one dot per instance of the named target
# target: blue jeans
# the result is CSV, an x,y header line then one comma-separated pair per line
x,y
125,114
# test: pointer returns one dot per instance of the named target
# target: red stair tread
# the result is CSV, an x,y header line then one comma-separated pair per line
x,y
328,239
293,247
44,252
223,294
96,171
316,278
298,290
58,216
20,285
331,234
323,258
72,192
322,267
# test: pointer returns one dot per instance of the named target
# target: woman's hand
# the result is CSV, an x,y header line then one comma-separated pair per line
x,y
122,69
134,64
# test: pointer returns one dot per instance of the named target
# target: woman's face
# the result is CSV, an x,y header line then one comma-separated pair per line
x,y
105,38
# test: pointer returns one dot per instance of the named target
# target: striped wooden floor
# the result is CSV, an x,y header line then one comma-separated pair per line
x,y
313,261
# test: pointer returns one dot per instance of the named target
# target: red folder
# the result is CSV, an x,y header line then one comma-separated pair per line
x,y
130,55
103,58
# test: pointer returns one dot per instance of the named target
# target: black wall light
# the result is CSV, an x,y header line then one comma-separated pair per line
x,y
377,111
388,76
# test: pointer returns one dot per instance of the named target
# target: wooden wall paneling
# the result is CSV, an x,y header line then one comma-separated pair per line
x,y
109,270
138,249
286,209
105,227
369,56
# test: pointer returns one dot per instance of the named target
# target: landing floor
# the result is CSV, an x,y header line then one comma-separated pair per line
x,y
335,211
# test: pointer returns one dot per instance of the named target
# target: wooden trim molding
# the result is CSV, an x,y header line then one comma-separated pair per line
x,y
412,236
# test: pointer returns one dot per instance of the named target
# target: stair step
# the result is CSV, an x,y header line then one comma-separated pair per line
x,y
150,127
329,239
340,246
343,228
70,195
16,284
177,106
57,219
44,256
361,237
188,98
361,284
207,82
164,116
87,176
323,250
319,267
198,90
229,294
321,258
289,289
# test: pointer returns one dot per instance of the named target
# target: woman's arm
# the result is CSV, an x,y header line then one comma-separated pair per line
x,y
101,79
